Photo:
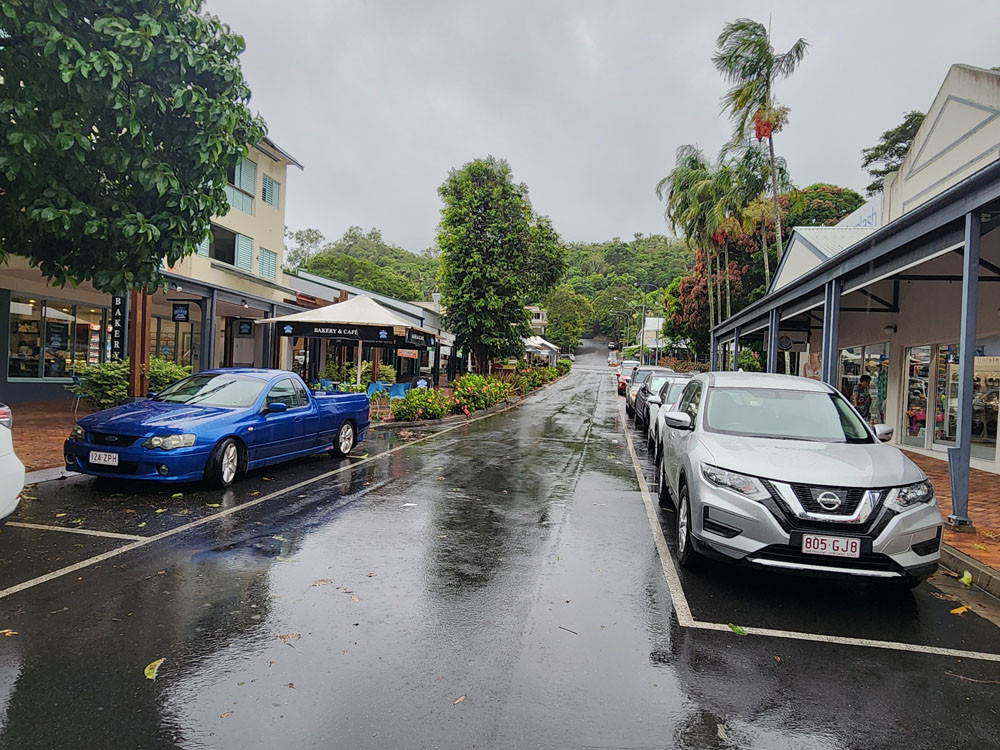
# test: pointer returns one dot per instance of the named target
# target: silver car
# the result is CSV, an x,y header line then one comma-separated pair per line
x,y
781,472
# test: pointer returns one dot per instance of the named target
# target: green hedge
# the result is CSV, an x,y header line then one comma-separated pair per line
x,y
106,385
420,404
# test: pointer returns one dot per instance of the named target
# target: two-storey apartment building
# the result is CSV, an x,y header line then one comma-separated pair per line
x,y
203,317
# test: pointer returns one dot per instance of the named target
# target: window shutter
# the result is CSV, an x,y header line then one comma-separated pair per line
x,y
203,246
268,263
247,177
244,252
270,191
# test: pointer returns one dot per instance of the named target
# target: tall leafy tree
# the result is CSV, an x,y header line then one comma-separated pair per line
x,y
887,155
496,255
746,58
568,314
362,273
118,122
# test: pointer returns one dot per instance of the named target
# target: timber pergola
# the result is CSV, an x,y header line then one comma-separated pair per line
x,y
951,222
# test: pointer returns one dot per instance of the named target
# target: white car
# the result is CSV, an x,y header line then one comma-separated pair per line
x,y
670,393
11,468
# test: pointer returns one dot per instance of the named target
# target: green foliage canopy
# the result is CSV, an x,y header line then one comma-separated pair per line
x,y
120,121
496,255
822,205
887,155
568,317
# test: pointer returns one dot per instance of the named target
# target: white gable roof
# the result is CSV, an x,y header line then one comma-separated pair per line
x,y
810,246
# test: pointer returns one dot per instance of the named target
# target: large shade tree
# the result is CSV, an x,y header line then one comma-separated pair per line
x,y
887,155
496,255
747,59
568,314
119,121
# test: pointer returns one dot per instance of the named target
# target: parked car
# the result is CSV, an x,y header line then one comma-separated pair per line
x,y
624,373
215,425
658,376
660,404
641,374
11,468
612,345
782,472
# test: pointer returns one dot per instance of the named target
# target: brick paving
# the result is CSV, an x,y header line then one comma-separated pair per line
x,y
40,427
984,509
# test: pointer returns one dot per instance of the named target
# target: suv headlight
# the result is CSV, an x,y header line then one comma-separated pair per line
x,y
747,486
169,442
912,494
78,433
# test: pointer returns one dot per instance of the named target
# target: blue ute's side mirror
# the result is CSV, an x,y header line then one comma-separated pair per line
x,y
277,407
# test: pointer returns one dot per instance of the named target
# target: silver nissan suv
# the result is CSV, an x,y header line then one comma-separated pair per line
x,y
782,472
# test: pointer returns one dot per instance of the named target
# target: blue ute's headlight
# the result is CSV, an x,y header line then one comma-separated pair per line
x,y
78,433
169,442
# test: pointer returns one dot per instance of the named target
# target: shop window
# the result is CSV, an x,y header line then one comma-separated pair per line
x,y
917,359
88,337
985,390
25,342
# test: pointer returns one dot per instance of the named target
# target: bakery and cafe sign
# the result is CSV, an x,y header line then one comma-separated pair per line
x,y
374,334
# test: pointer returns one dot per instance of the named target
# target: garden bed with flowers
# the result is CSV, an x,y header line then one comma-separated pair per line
x,y
469,394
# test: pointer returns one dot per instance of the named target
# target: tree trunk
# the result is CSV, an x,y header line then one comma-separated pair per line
x,y
774,186
729,294
711,307
718,281
767,262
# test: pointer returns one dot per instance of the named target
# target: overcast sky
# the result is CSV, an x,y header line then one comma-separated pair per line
x,y
587,100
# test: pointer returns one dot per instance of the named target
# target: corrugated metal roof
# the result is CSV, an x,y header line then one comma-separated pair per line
x,y
832,240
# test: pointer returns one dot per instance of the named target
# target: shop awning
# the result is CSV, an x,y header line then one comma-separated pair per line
x,y
359,318
540,345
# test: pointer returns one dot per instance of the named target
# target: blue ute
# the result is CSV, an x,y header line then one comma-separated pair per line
x,y
214,425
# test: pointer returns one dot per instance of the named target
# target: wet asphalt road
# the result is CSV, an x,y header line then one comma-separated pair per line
x,y
495,585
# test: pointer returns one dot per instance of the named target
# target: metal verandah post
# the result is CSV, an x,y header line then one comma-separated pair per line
x,y
736,349
960,455
773,324
713,356
831,331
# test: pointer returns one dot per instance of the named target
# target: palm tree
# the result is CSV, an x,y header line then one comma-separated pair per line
x,y
688,202
746,58
752,173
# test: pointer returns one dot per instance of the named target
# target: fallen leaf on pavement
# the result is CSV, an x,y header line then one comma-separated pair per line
x,y
737,629
60,515
161,510
960,610
322,582
28,497
966,578
409,505
266,479
990,534
777,658
7,632
721,730
355,599
213,505
291,685
279,538
152,668
254,493
142,524
458,700
77,520
178,494
226,715
981,547
289,637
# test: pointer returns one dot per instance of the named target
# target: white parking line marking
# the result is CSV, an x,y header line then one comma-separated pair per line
x,y
686,620
85,532
147,540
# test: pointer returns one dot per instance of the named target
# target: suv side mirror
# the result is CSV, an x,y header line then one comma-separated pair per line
x,y
276,408
679,420
884,432
654,400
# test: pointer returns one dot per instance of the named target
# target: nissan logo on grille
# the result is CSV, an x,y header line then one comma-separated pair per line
x,y
829,500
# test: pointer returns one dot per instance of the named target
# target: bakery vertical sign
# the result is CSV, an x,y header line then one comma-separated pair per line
x,y
118,328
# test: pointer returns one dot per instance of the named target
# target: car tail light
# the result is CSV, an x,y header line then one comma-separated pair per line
x,y
6,416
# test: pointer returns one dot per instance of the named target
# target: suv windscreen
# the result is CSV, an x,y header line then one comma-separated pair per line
x,y
641,376
657,382
784,414
671,391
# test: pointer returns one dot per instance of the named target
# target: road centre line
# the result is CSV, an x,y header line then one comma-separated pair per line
x,y
85,532
686,620
147,540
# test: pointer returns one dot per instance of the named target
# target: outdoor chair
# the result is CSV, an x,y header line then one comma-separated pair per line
x,y
397,391
77,397
326,385
372,387
422,384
